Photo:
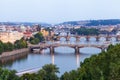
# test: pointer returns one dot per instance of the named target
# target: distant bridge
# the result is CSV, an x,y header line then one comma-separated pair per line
x,y
77,37
75,46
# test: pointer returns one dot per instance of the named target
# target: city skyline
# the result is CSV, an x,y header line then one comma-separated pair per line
x,y
54,11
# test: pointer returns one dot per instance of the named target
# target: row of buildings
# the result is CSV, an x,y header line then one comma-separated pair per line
x,y
13,33
103,28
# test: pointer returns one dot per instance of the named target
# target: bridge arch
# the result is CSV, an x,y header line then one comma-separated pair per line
x,y
115,38
62,38
88,50
64,49
72,39
102,38
92,38
112,38
82,38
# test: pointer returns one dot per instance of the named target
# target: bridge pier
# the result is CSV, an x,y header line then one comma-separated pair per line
x,y
47,38
97,38
40,50
87,38
76,50
107,38
50,38
51,50
31,49
58,38
117,38
77,39
67,38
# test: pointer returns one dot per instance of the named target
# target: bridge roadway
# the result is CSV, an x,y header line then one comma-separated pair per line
x,y
75,46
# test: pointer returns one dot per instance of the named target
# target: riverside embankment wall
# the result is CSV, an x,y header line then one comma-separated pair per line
x,y
14,52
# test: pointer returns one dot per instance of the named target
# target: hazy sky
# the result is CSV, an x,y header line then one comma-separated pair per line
x,y
55,11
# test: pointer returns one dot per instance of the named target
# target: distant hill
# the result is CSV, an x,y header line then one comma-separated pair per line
x,y
73,23
24,23
92,22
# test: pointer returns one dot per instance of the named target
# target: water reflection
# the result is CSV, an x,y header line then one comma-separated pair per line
x,y
8,61
65,60
77,60
53,59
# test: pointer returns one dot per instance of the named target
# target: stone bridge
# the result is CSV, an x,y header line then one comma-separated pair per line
x,y
77,37
75,46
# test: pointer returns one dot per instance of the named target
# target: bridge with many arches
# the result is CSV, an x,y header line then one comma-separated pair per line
x,y
75,46
78,37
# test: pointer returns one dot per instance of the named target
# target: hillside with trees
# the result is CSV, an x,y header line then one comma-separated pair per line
x,y
92,22
85,31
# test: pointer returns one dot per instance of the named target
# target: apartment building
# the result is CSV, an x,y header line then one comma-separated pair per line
x,y
10,36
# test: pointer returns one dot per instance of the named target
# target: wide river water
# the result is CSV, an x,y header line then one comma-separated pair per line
x,y
64,57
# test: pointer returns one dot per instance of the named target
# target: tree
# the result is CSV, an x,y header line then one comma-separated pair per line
x,y
11,46
8,75
28,76
65,76
85,31
20,44
34,40
39,35
23,43
8,46
37,38
110,47
1,47
48,72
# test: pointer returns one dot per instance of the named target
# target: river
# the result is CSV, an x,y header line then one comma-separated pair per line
x,y
64,57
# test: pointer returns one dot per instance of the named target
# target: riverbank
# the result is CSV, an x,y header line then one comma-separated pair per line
x,y
14,52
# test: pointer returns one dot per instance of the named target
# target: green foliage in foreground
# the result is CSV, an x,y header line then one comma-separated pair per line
x,y
104,66
8,75
48,72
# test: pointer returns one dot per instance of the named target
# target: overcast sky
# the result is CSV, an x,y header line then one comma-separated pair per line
x,y
55,11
